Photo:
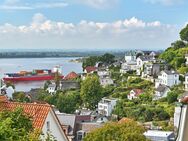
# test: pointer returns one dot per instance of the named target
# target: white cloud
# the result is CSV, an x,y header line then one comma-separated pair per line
x,y
99,4
165,2
129,33
20,5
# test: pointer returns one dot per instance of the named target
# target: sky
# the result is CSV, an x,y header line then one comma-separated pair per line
x,y
91,24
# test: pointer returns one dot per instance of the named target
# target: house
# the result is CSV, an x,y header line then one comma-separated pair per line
x,y
43,118
134,93
106,80
168,78
70,123
151,69
156,135
141,60
128,66
70,76
130,56
106,106
88,126
161,91
90,69
177,116
51,88
103,72
186,82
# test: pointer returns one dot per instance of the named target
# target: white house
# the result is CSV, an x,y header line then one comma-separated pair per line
x,y
106,106
104,81
141,60
156,135
130,56
134,93
102,73
161,91
150,69
186,82
43,118
51,88
168,78
128,66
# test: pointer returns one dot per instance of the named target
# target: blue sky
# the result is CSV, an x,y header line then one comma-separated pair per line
x,y
91,24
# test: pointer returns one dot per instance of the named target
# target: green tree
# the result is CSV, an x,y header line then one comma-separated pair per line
x,y
68,103
15,125
178,44
184,34
126,131
172,97
107,58
91,91
90,61
20,97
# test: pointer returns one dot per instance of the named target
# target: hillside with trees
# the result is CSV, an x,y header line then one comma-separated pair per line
x,y
175,55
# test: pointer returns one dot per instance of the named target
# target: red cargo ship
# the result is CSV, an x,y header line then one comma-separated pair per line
x,y
35,75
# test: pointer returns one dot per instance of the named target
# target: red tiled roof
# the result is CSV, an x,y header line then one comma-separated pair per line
x,y
124,120
138,91
90,69
71,75
3,98
38,112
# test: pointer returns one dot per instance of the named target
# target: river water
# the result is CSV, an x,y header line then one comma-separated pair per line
x,y
28,64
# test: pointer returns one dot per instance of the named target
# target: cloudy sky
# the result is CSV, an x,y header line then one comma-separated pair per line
x,y
91,24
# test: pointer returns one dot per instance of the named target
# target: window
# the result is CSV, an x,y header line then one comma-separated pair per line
x,y
48,125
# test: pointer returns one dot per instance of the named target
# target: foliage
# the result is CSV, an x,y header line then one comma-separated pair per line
x,y
92,60
172,97
127,131
15,125
91,91
184,34
69,102
107,58
20,97
174,55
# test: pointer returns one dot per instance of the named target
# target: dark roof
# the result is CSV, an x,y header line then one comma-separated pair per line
x,y
161,88
68,119
146,58
170,72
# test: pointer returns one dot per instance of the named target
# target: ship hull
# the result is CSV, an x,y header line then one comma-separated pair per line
x,y
31,78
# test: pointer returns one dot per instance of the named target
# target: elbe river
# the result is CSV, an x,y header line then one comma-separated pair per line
x,y
28,64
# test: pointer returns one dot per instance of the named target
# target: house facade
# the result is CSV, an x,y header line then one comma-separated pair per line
x,y
130,56
161,91
168,78
106,106
186,82
105,81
